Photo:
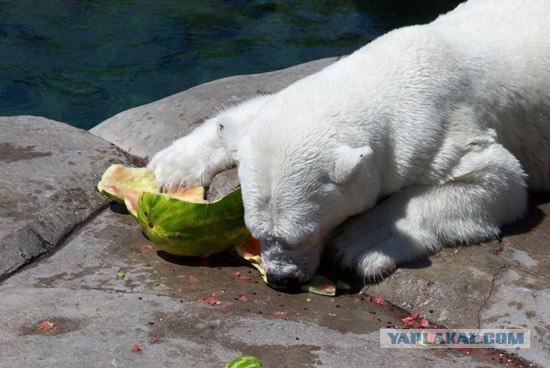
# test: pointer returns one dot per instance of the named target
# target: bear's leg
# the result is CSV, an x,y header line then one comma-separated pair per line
x,y
211,148
486,190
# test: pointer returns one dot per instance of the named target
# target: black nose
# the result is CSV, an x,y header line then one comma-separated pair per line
x,y
284,282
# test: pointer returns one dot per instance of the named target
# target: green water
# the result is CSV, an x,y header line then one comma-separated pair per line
x,y
82,61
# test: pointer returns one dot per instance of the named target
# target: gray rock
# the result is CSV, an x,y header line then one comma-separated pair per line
x,y
47,187
147,129
223,184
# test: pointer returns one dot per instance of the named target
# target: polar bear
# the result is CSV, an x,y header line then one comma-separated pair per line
x,y
428,136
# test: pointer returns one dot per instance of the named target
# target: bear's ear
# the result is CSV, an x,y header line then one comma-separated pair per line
x,y
228,131
347,161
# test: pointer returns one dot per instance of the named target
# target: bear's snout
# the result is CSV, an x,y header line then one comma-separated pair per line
x,y
286,266
283,281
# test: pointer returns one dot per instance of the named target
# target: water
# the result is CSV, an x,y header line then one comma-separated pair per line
x,y
82,61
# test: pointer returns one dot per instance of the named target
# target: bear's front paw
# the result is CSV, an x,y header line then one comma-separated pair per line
x,y
178,166
367,249
370,266
374,267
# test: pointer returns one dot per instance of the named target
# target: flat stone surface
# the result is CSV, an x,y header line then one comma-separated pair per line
x,y
147,129
159,305
498,284
47,187
223,184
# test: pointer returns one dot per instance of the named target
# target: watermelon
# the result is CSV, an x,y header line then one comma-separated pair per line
x,y
185,228
182,223
244,361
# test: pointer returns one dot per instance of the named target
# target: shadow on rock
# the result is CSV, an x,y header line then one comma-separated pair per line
x,y
225,259
119,208
532,218
417,264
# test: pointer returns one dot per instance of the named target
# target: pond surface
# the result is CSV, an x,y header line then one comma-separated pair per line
x,y
82,61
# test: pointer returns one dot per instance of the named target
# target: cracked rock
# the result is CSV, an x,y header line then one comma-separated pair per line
x,y
47,187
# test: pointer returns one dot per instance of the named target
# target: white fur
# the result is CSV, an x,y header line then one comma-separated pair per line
x,y
443,125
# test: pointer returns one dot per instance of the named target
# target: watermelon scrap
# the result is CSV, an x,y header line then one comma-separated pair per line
x,y
210,301
320,285
251,252
244,361
415,321
147,247
45,325
243,298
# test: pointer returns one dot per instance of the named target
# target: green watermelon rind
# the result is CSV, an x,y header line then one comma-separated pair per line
x,y
192,229
244,361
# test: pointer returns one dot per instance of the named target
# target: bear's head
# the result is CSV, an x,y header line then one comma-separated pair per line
x,y
297,188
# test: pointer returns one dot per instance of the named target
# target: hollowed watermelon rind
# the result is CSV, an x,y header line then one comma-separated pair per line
x,y
192,229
